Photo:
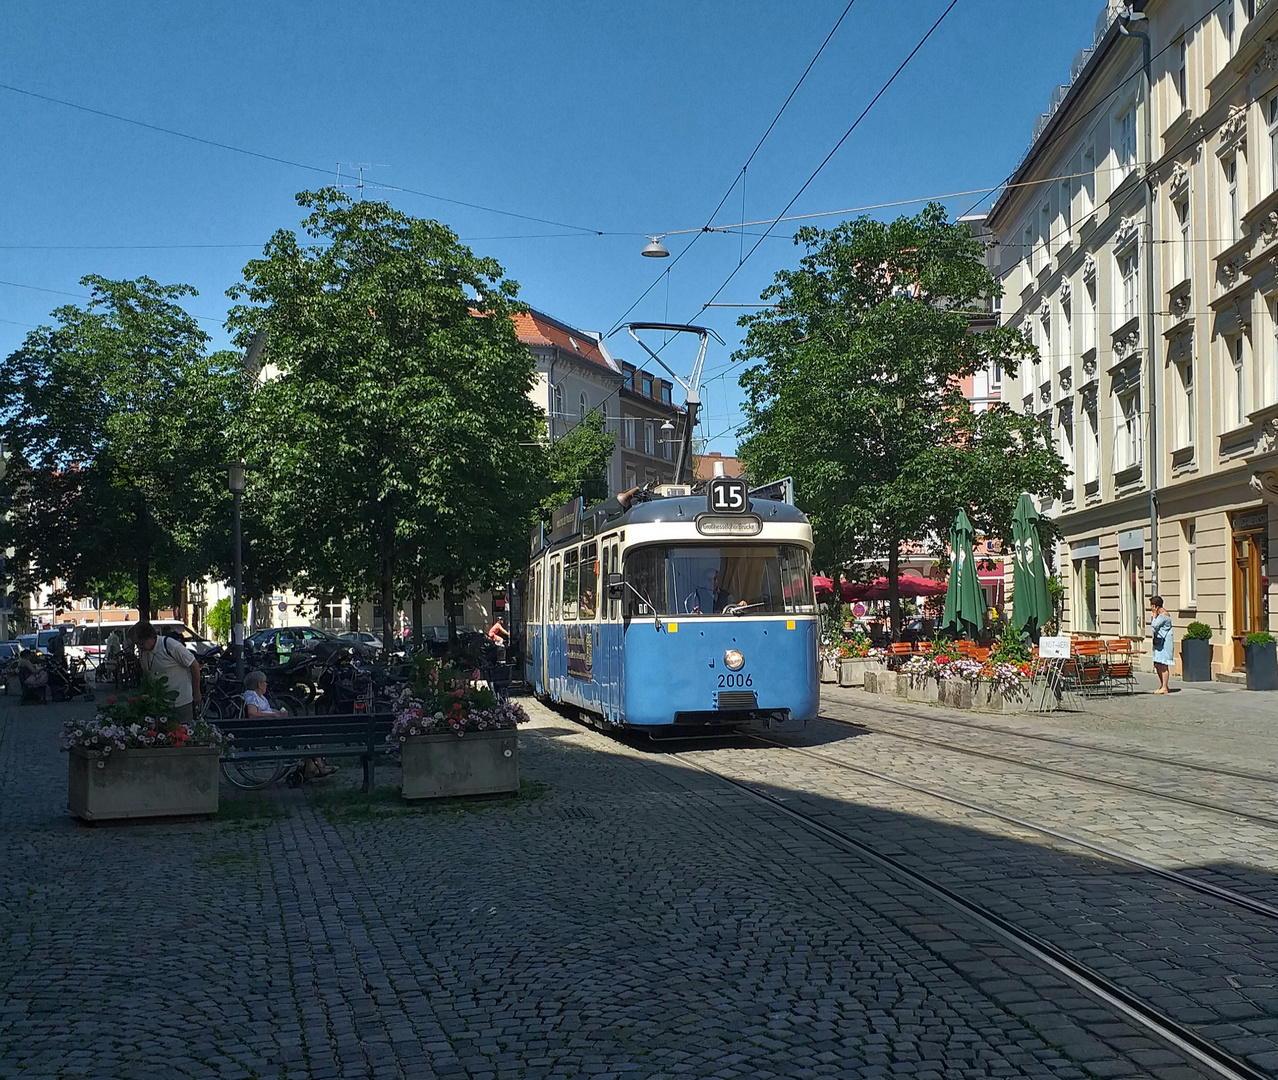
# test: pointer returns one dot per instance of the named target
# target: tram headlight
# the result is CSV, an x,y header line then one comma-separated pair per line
x,y
734,660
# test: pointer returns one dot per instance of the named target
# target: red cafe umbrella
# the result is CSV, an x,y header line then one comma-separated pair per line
x,y
823,587
907,585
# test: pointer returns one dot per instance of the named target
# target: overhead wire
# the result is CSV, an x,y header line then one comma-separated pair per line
x,y
740,175
287,161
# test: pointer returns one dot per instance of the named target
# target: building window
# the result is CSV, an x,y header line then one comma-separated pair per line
x,y
1189,564
1045,337
1091,447
996,377
1271,373
1231,25
647,385
667,446
1066,336
1133,593
649,439
1230,209
1271,115
1045,229
629,378
1127,139
1237,374
1182,72
1127,431
557,406
629,425
1088,186
1066,210
1086,572
1065,439
585,406
630,477
1181,259
1031,252
665,392
1186,421
1129,275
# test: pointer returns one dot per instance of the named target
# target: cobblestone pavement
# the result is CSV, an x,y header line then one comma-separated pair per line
x,y
627,916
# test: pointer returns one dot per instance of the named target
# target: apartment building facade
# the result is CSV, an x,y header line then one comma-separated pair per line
x,y
1137,245
652,429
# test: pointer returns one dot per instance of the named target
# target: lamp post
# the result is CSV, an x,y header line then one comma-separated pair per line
x,y
235,481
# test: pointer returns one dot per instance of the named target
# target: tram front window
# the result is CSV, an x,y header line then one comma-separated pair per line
x,y
744,579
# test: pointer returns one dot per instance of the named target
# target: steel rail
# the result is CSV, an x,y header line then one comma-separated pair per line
x,y
1184,880
1171,1032
1262,819
1264,778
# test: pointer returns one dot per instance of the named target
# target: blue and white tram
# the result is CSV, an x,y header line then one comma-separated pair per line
x,y
669,614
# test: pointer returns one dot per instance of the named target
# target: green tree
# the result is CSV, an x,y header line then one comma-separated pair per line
x,y
577,464
218,619
854,390
117,414
401,434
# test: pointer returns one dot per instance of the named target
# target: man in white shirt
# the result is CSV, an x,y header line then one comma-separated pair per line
x,y
174,663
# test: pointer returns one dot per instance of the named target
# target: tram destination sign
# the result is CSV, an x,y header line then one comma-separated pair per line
x,y
728,495
566,521
725,525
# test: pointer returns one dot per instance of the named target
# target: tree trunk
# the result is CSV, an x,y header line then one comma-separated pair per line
x,y
450,611
352,615
388,605
144,587
418,596
894,586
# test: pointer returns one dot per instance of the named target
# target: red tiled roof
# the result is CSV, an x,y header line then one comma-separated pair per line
x,y
534,329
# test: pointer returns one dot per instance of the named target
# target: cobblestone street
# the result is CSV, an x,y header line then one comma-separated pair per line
x,y
633,915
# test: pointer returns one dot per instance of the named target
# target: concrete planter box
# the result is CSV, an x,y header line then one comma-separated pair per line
x,y
445,766
882,682
957,693
829,672
987,699
149,782
1262,666
1195,660
924,689
852,670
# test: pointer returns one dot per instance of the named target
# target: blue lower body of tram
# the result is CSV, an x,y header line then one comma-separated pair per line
x,y
675,673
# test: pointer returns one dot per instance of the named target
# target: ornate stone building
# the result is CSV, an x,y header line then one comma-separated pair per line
x,y
1137,245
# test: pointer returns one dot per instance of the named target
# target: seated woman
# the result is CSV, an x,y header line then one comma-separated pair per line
x,y
256,705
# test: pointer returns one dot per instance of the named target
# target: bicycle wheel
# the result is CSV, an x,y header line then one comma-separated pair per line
x,y
290,703
254,774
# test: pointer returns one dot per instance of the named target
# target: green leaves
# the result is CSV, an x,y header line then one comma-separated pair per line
x,y
854,388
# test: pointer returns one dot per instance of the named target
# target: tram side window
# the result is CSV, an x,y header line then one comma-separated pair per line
x,y
569,608
646,572
589,581
554,592
796,580
614,605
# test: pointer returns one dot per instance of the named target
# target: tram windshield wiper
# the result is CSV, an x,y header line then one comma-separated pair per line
x,y
741,609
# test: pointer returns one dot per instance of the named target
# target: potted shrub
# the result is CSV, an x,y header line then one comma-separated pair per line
x,y
454,737
1195,653
135,760
1262,664
859,656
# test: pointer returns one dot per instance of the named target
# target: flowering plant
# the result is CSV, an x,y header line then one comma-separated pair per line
x,y
857,647
102,734
154,702
440,699
1001,676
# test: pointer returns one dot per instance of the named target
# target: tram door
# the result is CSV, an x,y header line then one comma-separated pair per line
x,y
549,638
606,673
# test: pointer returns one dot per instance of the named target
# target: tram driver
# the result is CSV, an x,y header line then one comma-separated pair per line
x,y
709,599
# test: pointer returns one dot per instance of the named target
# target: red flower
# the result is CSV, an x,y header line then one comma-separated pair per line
x,y
111,700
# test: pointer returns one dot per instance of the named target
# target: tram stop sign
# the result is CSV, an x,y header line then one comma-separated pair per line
x,y
728,495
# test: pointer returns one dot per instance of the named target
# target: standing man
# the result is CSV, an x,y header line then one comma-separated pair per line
x,y
174,663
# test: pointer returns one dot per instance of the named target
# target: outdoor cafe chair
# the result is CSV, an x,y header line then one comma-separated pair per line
x,y
1090,662
1118,665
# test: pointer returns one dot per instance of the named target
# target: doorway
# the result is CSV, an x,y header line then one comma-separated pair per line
x,y
1250,577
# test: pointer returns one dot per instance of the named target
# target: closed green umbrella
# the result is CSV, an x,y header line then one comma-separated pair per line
x,y
964,602
1031,601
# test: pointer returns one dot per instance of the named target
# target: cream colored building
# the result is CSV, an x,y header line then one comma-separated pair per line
x,y
1137,245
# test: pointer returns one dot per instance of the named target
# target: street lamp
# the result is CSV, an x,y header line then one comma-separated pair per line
x,y
235,481
655,249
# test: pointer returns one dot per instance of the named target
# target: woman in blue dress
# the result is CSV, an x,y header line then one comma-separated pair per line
x,y
1161,629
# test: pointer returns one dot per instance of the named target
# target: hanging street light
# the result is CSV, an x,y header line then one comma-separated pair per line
x,y
656,249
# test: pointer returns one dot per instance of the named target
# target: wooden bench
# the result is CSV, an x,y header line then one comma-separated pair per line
x,y
282,739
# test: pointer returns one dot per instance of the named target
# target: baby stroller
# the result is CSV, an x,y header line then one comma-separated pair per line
x,y
66,683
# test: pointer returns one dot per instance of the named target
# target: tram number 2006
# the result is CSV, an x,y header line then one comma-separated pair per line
x,y
736,680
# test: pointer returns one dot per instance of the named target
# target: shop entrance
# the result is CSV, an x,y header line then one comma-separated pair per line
x,y
1251,577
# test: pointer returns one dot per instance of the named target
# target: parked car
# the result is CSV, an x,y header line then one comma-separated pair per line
x,y
39,641
362,637
286,640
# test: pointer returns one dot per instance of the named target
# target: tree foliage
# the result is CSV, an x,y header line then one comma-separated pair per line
x,y
577,464
854,390
116,415
393,440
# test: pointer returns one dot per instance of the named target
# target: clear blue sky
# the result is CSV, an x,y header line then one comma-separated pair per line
x,y
624,118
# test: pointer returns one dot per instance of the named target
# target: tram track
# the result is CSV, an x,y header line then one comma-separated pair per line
x,y
1219,892
1180,1037
1216,770
1200,804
